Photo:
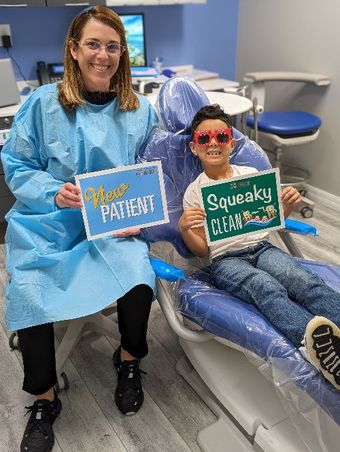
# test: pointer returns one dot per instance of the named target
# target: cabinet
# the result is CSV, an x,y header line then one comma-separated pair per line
x,y
131,2
16,3
83,3
150,2
180,2
6,197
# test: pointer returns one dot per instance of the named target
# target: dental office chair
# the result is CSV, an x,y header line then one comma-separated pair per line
x,y
254,380
282,129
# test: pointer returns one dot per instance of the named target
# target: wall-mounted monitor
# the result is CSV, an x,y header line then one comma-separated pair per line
x,y
135,36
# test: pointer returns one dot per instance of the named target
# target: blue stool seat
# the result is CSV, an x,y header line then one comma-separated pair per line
x,y
286,123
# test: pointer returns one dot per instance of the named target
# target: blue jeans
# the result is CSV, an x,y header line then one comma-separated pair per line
x,y
270,279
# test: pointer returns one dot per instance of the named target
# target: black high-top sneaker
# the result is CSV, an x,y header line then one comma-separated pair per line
x,y
322,339
129,394
38,435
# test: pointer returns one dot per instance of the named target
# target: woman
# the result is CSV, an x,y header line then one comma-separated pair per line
x,y
91,121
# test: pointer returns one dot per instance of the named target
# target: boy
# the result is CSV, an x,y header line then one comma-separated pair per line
x,y
298,303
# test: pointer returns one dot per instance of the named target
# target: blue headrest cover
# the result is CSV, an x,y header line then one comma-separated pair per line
x,y
178,101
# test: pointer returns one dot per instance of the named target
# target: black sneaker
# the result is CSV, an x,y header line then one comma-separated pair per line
x,y
38,435
323,346
129,394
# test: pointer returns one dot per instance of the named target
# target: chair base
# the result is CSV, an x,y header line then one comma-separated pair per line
x,y
292,175
249,411
98,322
250,415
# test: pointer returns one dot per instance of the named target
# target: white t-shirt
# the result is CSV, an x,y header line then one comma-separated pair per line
x,y
192,199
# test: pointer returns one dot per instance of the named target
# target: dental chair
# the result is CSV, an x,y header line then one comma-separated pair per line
x,y
278,130
264,394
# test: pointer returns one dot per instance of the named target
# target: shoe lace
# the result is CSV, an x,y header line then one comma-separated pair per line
x,y
38,422
131,375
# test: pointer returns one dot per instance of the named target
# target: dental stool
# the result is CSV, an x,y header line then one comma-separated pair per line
x,y
281,129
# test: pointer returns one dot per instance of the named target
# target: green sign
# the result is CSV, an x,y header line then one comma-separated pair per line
x,y
242,205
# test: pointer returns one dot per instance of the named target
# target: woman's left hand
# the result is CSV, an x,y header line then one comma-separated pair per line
x,y
127,233
290,197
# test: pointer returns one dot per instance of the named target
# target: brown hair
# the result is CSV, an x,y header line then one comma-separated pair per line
x,y
71,90
210,112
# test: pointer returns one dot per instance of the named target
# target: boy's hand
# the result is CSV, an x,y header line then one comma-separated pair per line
x,y
290,197
191,217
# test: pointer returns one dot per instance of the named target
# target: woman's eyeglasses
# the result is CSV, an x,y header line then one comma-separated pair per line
x,y
221,136
113,48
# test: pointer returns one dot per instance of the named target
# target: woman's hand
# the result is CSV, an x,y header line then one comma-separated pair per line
x,y
127,233
68,196
191,217
290,197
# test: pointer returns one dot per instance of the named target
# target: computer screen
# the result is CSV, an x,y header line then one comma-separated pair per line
x,y
135,36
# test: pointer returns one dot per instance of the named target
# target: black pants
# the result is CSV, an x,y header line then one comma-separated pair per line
x,y
37,342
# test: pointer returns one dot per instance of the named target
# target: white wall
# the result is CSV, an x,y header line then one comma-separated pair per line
x,y
303,36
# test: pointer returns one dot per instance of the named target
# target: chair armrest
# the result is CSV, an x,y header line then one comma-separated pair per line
x,y
297,227
318,79
166,271
300,227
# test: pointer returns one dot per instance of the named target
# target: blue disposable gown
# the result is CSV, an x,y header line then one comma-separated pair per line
x,y
54,272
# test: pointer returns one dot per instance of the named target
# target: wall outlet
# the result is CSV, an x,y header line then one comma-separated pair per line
x,y
5,29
